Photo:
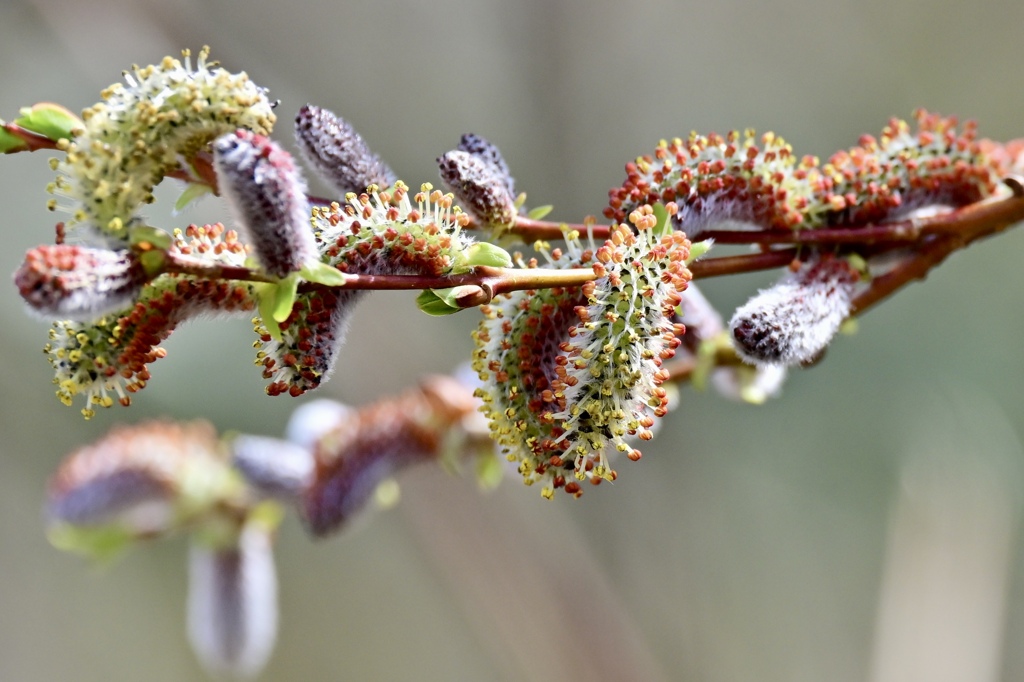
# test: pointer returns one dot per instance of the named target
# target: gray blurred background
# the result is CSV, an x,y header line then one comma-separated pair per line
x,y
865,526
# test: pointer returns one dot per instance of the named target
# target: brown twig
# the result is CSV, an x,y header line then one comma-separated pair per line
x,y
931,239
948,233
732,265
492,281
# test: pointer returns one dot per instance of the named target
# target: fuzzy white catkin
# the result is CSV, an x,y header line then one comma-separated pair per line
x,y
339,155
267,197
792,322
479,187
232,605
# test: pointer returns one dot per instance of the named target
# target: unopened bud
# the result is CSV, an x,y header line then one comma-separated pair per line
x,y
479,187
71,282
338,153
793,321
268,199
489,153
232,604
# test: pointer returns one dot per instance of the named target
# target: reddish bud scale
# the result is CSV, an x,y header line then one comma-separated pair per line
x,y
78,283
267,197
332,147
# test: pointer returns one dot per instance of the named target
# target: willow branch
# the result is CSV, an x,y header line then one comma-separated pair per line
x,y
949,233
733,265
492,281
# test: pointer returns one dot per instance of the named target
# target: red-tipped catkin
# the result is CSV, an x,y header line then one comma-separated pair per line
x,y
268,199
71,282
793,321
479,187
339,155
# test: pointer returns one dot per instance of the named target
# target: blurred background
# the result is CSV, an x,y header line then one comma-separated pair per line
x,y
864,526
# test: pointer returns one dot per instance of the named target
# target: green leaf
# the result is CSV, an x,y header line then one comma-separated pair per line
x,y
153,237
858,263
485,253
490,469
520,200
193,192
284,297
50,120
276,300
265,295
432,304
664,220
10,143
706,352
539,212
153,262
102,543
322,273
699,249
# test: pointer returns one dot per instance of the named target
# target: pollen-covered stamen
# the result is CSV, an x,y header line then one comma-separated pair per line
x,y
570,374
718,180
368,445
627,330
883,179
143,131
210,243
339,155
793,321
489,153
108,360
132,475
479,187
267,196
376,233
78,283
